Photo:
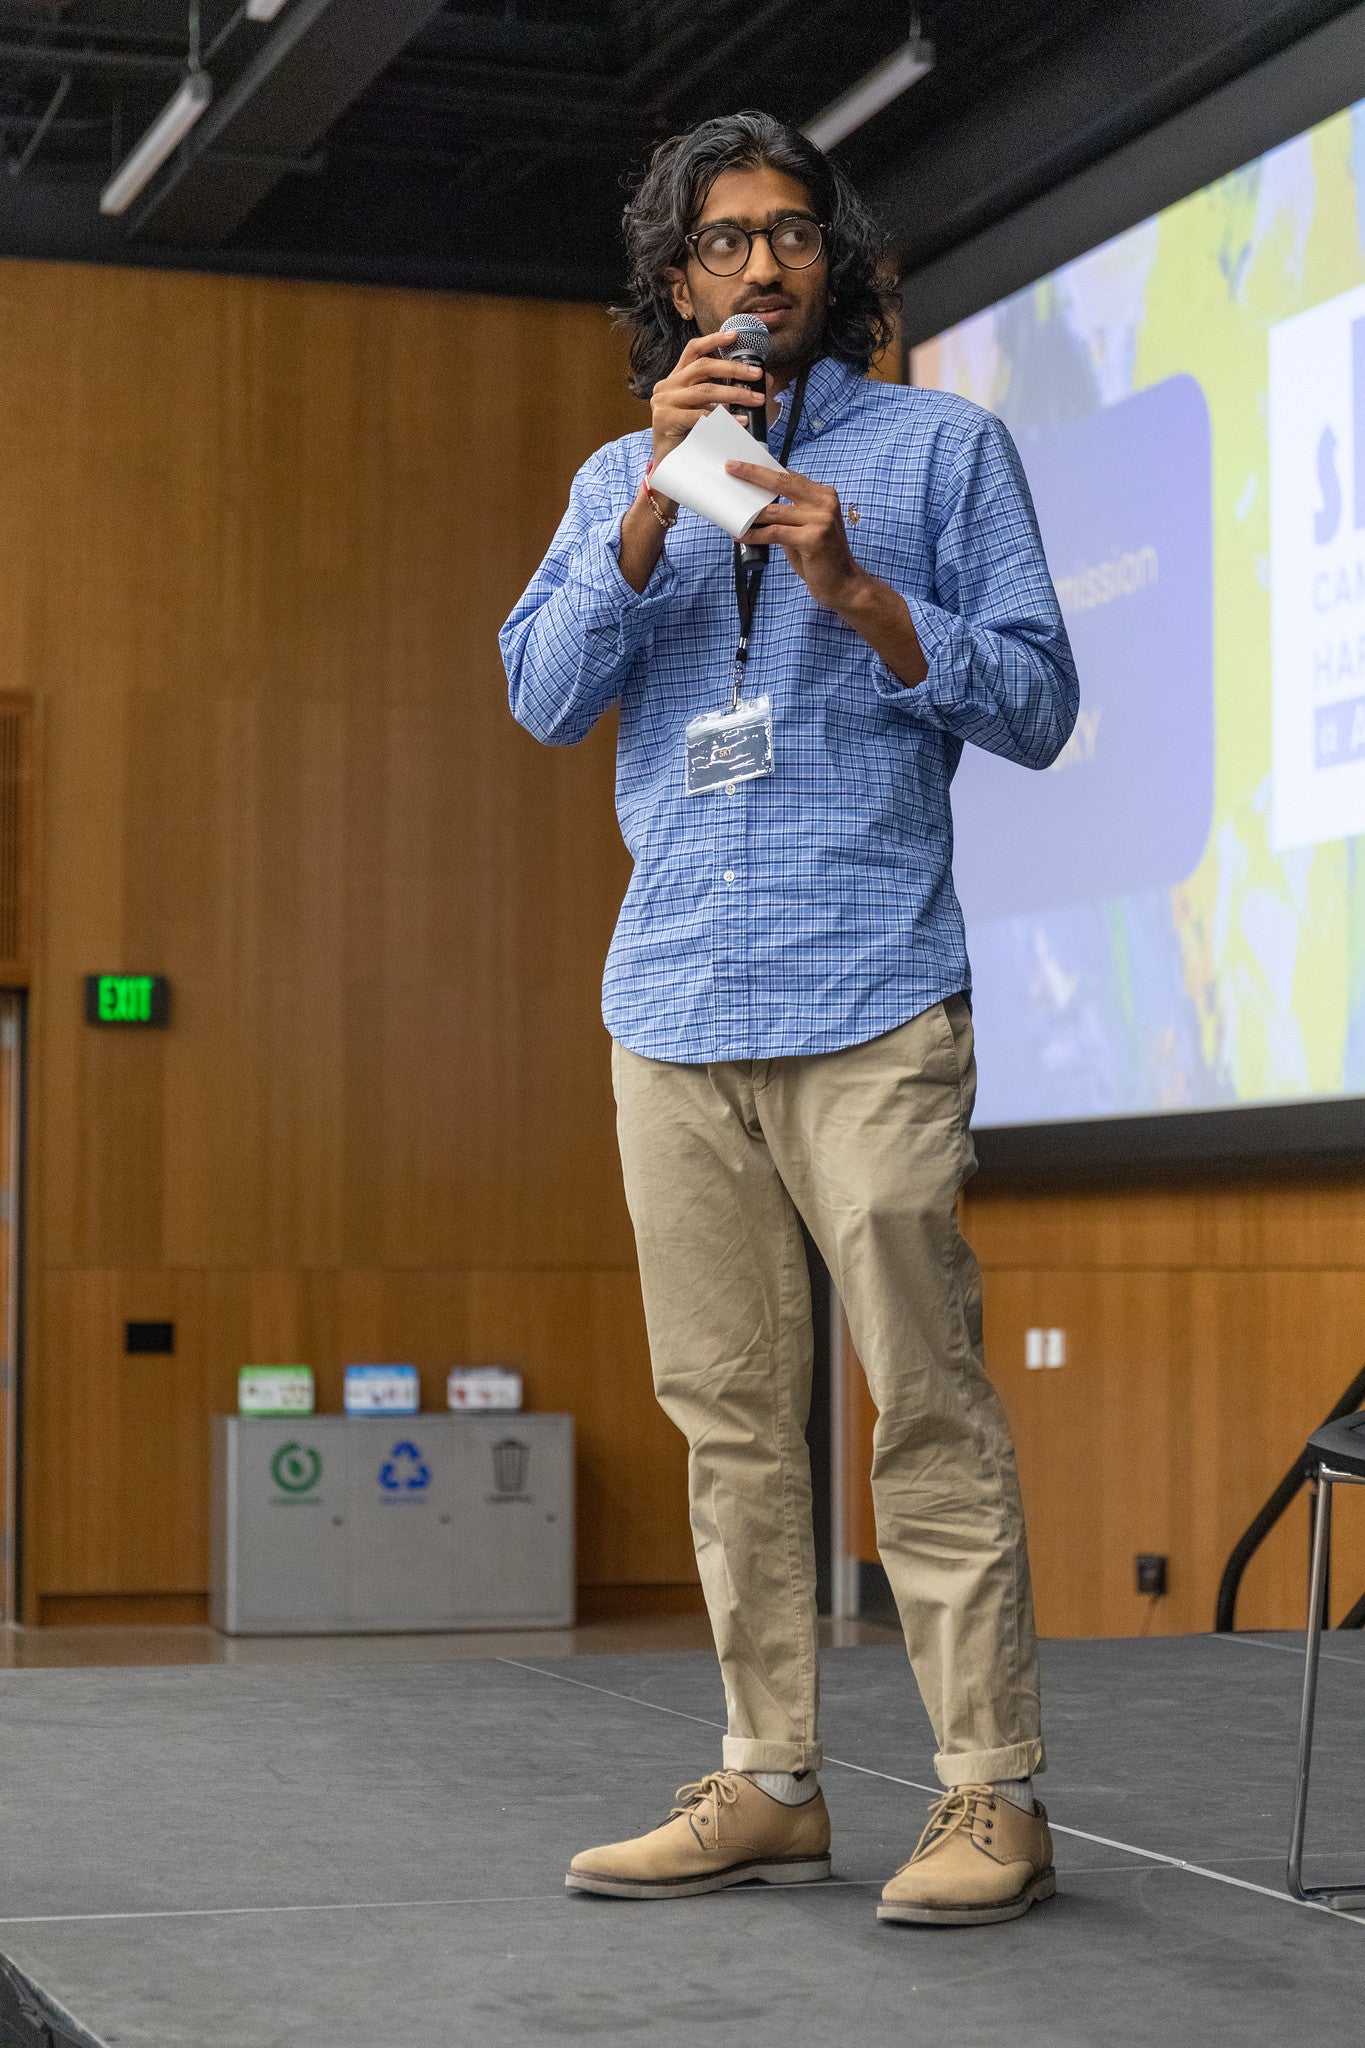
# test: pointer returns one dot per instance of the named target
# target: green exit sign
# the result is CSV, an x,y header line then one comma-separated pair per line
x,y
127,999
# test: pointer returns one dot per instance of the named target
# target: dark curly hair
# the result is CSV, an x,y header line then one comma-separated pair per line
x,y
863,298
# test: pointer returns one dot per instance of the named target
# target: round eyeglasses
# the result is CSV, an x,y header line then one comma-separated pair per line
x,y
725,249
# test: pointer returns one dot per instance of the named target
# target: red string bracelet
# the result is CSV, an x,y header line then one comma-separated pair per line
x,y
665,519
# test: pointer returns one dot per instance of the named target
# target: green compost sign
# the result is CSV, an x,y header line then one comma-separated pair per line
x,y
296,1468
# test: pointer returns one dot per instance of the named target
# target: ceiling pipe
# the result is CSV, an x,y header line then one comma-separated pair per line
x,y
316,60
158,145
19,164
100,63
884,83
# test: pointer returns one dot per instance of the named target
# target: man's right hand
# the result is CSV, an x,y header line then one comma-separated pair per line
x,y
697,382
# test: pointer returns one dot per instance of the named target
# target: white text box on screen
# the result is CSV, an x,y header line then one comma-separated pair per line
x,y
1317,572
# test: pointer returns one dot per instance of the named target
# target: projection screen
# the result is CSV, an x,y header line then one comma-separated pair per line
x,y
1171,920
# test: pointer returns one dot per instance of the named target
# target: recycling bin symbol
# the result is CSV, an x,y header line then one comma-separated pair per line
x,y
404,1470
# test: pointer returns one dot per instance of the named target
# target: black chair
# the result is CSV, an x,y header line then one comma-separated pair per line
x,y
1335,1457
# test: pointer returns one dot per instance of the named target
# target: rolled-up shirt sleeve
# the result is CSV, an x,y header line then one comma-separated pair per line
x,y
574,636
1001,673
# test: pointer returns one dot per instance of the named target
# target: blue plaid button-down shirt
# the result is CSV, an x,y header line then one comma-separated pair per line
x,y
813,908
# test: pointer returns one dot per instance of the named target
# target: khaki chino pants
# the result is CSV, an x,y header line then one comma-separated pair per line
x,y
871,1147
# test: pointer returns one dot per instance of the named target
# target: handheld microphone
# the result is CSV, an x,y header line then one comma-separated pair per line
x,y
751,345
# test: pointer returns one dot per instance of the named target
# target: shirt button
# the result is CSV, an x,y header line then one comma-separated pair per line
x,y
729,874
729,789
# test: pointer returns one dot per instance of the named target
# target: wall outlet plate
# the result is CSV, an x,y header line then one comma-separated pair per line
x,y
1151,1572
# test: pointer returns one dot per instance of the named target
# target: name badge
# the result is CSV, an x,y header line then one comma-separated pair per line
x,y
725,747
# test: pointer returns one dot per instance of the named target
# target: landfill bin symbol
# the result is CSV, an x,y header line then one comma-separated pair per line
x,y
510,1462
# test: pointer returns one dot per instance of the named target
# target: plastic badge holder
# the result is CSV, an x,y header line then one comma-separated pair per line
x,y
382,1390
275,1390
483,1386
726,747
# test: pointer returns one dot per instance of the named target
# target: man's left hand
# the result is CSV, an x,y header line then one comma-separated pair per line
x,y
810,531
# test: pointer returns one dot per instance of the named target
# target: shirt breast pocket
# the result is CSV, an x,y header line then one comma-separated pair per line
x,y
884,543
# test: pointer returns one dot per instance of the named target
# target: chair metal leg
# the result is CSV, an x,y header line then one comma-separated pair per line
x,y
1324,1894
1317,1587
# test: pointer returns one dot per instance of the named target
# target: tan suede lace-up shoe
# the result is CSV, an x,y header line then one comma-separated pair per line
x,y
979,1859
722,1831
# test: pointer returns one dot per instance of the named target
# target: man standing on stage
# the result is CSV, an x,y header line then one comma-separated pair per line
x,y
787,989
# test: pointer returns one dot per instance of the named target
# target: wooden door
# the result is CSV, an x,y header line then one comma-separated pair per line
x,y
11,1124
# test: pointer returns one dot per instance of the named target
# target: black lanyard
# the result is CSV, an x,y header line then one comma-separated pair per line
x,y
749,575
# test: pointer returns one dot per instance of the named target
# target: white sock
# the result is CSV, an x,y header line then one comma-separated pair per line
x,y
1018,1791
793,1788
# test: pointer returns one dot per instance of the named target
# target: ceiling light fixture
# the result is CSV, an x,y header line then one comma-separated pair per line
x,y
902,69
263,10
161,140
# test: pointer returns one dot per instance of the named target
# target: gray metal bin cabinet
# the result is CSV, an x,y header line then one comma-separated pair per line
x,y
324,1524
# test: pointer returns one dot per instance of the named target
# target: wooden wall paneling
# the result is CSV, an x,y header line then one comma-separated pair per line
x,y
269,837
82,790
11,1278
125,1448
578,1338
1054,1231
116,1452
1093,1443
1185,1396
1248,1224
18,752
1097,1439
1210,1326
260,539
585,1347
1296,1224
1273,1280
1275,1350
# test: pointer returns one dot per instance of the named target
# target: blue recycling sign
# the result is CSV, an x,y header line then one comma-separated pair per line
x,y
405,1470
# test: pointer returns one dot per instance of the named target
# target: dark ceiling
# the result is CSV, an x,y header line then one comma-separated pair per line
x,y
489,144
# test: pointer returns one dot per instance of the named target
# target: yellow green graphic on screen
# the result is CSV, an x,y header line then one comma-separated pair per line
x,y
1173,916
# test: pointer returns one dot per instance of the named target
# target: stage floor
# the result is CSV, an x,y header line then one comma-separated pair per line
x,y
343,1856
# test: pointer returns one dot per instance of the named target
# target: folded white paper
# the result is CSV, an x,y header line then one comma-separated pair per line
x,y
694,473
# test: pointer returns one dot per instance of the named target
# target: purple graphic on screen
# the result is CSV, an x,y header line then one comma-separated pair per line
x,y
1124,500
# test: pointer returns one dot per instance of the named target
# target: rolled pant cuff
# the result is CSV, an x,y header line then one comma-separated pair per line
x,y
990,1766
745,1753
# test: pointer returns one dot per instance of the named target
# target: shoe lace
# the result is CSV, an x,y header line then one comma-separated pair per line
x,y
718,1784
956,1809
